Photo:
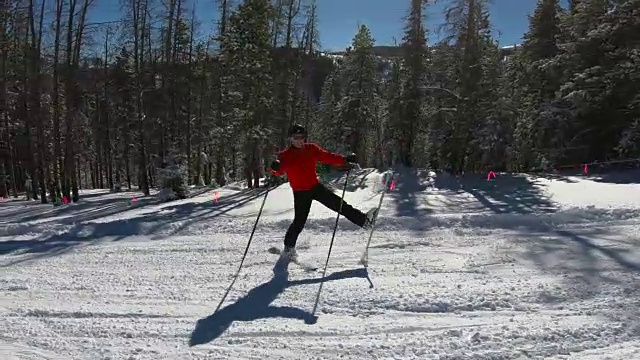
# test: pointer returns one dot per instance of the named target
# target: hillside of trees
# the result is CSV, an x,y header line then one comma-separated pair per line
x,y
147,101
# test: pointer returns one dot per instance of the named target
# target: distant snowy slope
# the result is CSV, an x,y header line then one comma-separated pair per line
x,y
515,268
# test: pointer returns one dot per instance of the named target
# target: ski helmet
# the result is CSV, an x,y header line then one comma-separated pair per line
x,y
297,129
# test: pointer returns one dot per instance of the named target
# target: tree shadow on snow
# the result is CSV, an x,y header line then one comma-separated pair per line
x,y
616,177
407,193
85,210
118,229
581,253
417,194
54,244
256,304
506,194
591,262
191,212
472,200
61,243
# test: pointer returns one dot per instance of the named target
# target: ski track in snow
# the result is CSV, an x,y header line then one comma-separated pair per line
x,y
519,268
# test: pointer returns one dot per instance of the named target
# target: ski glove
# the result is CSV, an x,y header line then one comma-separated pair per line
x,y
351,158
275,165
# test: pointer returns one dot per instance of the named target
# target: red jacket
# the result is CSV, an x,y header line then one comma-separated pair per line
x,y
300,164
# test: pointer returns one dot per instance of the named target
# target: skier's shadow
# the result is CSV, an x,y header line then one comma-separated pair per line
x,y
257,304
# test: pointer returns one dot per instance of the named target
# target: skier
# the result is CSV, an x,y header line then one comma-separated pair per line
x,y
298,161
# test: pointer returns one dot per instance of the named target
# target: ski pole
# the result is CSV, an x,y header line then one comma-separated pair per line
x,y
246,250
364,260
326,264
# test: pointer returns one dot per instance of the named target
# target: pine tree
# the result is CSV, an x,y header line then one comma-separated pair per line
x,y
537,131
328,129
172,177
468,25
601,76
247,56
395,112
624,30
359,93
413,76
122,97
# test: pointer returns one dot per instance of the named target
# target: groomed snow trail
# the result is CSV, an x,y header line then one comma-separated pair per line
x,y
516,268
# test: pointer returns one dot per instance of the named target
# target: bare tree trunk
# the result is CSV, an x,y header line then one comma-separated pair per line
x,y
251,164
79,174
288,104
108,140
219,170
139,26
276,23
167,126
57,140
201,132
305,64
92,171
176,129
69,111
220,153
72,96
4,192
34,77
36,86
31,193
5,141
189,95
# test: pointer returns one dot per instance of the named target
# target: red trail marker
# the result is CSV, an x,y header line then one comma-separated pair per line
x,y
489,175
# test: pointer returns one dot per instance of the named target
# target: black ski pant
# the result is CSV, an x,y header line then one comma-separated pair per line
x,y
302,204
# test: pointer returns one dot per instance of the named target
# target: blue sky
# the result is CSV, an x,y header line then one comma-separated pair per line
x,y
338,20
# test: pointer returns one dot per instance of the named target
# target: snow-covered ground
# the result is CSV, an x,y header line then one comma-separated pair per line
x,y
515,268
